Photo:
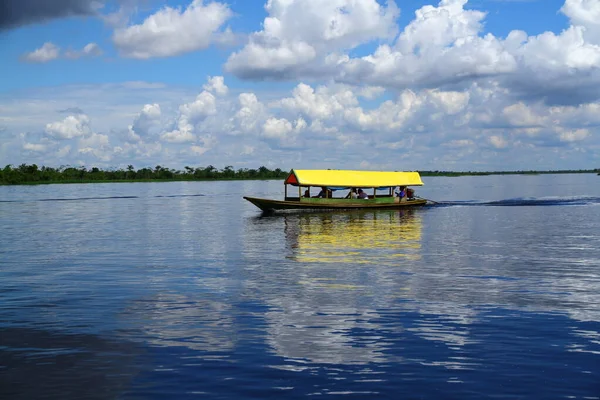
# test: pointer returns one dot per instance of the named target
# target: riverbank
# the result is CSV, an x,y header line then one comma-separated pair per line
x,y
34,175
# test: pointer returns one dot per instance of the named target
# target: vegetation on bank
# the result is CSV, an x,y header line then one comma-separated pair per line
x,y
27,174
32,174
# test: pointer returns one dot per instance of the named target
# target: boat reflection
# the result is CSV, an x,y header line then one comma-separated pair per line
x,y
347,287
341,269
363,238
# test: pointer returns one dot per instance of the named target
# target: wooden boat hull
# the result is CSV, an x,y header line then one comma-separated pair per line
x,y
273,205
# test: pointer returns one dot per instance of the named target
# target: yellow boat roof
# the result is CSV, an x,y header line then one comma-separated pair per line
x,y
347,178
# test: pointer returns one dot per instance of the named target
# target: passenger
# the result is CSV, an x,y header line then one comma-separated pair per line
x,y
402,192
323,193
410,193
351,194
362,195
307,193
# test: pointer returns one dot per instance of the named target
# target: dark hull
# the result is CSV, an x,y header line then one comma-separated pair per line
x,y
273,205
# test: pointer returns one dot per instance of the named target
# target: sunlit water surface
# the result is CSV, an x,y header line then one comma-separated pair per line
x,y
184,290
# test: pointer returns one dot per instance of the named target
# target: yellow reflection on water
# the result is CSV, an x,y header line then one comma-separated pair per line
x,y
363,238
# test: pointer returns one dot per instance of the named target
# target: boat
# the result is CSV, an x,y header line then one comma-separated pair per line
x,y
331,181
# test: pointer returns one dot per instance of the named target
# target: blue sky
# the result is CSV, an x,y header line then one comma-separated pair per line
x,y
451,84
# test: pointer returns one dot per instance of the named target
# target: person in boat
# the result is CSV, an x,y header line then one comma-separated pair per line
x,y
324,193
362,194
351,194
307,193
401,192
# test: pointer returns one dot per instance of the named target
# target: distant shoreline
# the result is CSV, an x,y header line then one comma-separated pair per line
x,y
472,173
34,175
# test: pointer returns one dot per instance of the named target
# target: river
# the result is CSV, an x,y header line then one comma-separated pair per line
x,y
185,290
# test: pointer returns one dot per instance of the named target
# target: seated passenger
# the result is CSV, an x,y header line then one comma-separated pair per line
x,y
401,193
324,193
362,194
410,193
351,194
306,193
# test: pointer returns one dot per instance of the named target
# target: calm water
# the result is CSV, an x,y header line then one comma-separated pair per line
x,y
183,290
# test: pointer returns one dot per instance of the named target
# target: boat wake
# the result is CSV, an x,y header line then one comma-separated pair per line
x,y
525,202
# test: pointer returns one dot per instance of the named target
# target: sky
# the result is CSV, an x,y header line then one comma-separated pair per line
x,y
479,85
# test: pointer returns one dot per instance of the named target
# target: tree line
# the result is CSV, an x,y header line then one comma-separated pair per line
x,y
32,174
28,174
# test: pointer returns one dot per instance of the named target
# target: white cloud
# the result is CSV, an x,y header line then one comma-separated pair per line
x,y
585,13
520,115
297,33
203,106
281,133
459,143
47,52
94,140
190,114
198,150
371,92
443,47
250,113
574,135
37,147
89,50
419,129
63,151
172,31
275,128
498,142
99,154
320,104
144,122
178,136
71,127
216,84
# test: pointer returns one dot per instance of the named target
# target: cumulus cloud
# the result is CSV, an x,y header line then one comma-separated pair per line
x,y
190,114
94,140
585,13
246,119
89,50
498,142
441,45
444,46
144,122
14,13
277,128
203,106
297,34
173,31
321,103
48,52
37,147
71,127
412,128
575,135
216,84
